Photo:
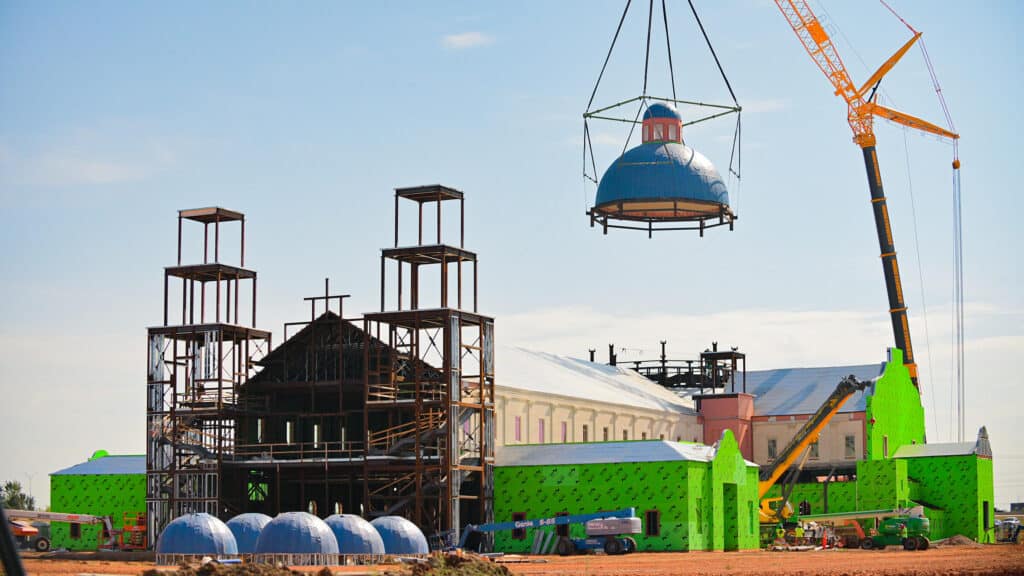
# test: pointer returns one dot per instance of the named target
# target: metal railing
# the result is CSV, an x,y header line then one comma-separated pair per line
x,y
350,450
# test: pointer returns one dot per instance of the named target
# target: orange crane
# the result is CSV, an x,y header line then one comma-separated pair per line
x,y
862,108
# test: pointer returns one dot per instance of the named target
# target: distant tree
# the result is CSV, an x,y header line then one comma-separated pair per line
x,y
14,499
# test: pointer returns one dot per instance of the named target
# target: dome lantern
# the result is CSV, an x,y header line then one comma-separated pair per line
x,y
662,124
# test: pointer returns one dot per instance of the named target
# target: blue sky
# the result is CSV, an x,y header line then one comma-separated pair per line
x,y
113,115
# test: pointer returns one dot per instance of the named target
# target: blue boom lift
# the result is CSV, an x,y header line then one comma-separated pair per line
x,y
603,529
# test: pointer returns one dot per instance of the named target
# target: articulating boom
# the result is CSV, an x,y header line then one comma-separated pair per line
x,y
808,434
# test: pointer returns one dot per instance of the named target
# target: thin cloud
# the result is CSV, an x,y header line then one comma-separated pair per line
x,y
80,164
466,40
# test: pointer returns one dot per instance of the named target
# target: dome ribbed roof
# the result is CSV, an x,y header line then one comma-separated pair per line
x,y
659,110
400,536
660,171
196,534
296,533
355,535
247,528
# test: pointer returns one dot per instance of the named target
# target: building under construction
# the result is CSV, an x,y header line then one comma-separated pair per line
x,y
390,413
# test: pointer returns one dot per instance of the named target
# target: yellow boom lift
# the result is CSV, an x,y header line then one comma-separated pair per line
x,y
798,445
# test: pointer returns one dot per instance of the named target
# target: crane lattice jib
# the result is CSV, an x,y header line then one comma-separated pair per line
x,y
819,46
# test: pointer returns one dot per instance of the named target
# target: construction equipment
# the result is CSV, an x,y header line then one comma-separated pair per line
x,y
34,536
10,561
862,107
799,444
603,529
108,538
1008,530
910,530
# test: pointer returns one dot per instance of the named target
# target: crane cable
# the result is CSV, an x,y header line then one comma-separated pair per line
x,y
587,144
920,273
737,143
958,387
647,60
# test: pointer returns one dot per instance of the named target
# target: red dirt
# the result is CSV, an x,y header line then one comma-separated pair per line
x,y
984,560
988,560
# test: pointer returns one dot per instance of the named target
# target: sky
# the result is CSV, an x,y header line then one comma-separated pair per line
x,y
114,115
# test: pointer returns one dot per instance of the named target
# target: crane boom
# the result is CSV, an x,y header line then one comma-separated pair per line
x,y
860,113
809,432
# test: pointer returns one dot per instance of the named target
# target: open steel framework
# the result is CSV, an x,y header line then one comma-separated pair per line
x,y
195,367
715,370
391,413
430,386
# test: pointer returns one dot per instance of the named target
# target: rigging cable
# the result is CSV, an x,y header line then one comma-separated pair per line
x,y
647,54
668,46
958,303
958,254
920,273
728,85
609,55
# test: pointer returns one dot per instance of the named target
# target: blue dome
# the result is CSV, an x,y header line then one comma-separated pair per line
x,y
296,533
668,173
659,110
400,536
355,535
247,528
196,534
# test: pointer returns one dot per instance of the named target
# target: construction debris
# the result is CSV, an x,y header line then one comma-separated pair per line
x,y
958,540
455,564
216,569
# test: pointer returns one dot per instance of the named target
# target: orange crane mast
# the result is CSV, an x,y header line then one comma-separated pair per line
x,y
862,108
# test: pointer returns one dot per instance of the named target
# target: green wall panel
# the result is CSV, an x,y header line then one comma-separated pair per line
x,y
689,496
953,490
882,484
102,495
958,488
842,496
894,413
544,491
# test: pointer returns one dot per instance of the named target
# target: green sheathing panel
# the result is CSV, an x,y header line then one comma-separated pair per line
x,y
955,491
842,496
692,498
733,490
882,484
102,495
544,491
894,413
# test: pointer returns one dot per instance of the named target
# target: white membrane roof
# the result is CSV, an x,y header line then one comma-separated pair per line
x,y
532,371
602,453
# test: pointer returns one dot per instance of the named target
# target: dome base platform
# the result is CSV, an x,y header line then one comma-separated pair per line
x,y
661,215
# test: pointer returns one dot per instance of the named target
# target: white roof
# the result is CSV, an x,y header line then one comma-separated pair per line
x,y
532,371
788,391
602,453
981,447
944,449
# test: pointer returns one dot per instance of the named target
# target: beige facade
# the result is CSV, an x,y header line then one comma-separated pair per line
x,y
841,442
531,417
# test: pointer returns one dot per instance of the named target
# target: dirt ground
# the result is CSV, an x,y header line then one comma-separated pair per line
x,y
981,560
